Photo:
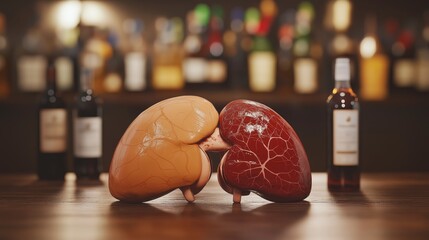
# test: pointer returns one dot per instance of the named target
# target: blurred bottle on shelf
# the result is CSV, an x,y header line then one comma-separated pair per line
x,y
95,50
216,67
66,60
286,35
422,73
403,51
374,65
113,77
87,130
31,62
262,66
52,132
305,66
167,72
234,40
5,86
194,62
262,59
135,56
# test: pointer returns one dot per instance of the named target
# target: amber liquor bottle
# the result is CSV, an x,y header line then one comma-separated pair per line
x,y
87,131
52,132
343,132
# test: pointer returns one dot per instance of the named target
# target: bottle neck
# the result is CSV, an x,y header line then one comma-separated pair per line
x,y
341,84
86,81
51,82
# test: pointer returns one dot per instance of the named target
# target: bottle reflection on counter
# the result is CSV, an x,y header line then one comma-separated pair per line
x,y
87,131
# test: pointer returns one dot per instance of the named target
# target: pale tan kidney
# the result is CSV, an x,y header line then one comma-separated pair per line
x,y
159,151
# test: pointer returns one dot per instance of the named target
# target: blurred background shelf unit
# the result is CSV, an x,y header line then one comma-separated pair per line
x,y
141,52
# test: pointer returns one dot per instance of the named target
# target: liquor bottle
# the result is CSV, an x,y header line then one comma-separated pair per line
x,y
305,66
422,69
262,60
374,65
113,80
404,63
32,62
236,54
194,63
66,61
94,54
87,131
135,57
262,66
52,132
285,53
216,68
4,82
343,132
168,54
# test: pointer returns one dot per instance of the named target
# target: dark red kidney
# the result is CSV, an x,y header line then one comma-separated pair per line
x,y
266,157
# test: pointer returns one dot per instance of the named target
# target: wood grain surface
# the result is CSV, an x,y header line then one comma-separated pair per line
x,y
390,206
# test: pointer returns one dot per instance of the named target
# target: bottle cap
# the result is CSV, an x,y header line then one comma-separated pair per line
x,y
342,69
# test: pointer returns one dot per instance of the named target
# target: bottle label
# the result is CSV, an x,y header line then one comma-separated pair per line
x,y
404,72
262,71
216,71
167,77
346,137
53,130
194,69
88,137
32,73
135,71
305,75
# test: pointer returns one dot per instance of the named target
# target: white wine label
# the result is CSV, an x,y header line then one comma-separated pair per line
x,y
194,69
64,70
53,130
346,137
87,137
135,71
32,73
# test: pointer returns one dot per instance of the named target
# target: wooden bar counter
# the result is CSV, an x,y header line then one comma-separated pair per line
x,y
390,206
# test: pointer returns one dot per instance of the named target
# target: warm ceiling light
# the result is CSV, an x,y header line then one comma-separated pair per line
x,y
68,14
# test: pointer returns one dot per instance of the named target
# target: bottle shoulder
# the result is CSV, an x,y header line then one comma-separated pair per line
x,y
343,98
52,101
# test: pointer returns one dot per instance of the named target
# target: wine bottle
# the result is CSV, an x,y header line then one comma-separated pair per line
x,y
343,132
87,131
52,132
